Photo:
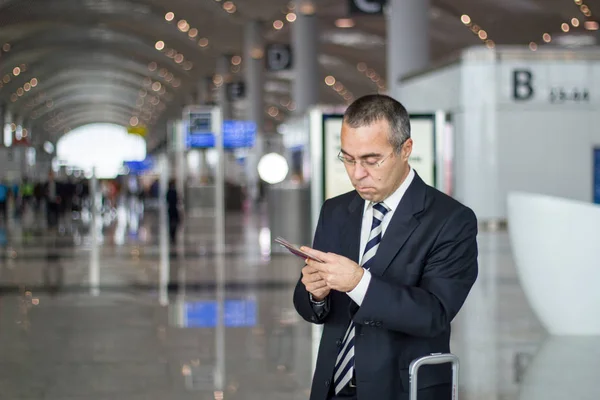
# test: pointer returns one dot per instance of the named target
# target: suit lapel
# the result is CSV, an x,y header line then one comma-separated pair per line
x,y
401,226
351,229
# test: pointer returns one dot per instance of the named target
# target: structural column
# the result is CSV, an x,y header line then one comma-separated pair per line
x,y
223,65
7,130
407,41
305,41
203,95
254,51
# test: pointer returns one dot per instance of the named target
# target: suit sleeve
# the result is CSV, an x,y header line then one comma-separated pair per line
x,y
449,273
302,301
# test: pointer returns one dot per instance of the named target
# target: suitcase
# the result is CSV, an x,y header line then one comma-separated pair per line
x,y
434,358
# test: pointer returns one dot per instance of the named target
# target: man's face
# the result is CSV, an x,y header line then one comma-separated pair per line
x,y
382,170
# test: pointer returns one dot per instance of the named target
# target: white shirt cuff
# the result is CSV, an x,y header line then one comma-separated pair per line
x,y
360,291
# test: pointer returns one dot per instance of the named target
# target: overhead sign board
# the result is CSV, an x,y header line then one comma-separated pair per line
x,y
138,130
366,7
138,167
279,57
236,134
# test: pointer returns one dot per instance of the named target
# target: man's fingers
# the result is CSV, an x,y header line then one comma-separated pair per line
x,y
313,286
309,270
317,254
311,278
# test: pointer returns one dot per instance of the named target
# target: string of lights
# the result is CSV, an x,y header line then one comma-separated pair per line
x,y
477,31
372,75
339,88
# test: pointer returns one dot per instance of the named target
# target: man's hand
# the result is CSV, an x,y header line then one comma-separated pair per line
x,y
314,284
338,272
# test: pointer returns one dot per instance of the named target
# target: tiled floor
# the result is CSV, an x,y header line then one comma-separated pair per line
x,y
59,341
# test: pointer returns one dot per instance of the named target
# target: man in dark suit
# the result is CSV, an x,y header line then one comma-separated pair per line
x,y
399,259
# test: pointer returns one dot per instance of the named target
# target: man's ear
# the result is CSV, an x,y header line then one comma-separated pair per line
x,y
407,149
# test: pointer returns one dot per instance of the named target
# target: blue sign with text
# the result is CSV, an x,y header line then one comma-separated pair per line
x,y
236,134
138,167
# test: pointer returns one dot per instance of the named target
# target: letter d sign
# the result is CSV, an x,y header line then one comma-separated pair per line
x,y
522,89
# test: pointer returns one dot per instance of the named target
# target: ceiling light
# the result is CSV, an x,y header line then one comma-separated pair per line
x,y
278,24
547,38
490,44
329,80
187,65
152,66
228,6
578,2
156,86
533,46
16,71
290,17
575,22
203,42
307,8
361,66
169,16
236,60
344,22
34,82
565,27
232,9
27,87
6,78
257,53
465,19
591,25
193,33
134,121
482,34
179,58
183,25
160,45
20,92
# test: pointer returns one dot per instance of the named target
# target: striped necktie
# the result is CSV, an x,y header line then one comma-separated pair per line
x,y
344,365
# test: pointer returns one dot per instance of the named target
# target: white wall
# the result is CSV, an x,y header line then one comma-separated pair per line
x,y
503,144
547,147
437,90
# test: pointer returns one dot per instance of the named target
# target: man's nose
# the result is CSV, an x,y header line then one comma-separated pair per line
x,y
359,171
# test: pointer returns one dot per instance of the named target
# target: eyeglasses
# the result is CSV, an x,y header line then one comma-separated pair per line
x,y
363,163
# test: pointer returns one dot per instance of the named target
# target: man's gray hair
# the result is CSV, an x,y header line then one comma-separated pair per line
x,y
376,107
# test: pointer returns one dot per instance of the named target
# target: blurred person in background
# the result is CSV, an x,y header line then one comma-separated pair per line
x,y
173,210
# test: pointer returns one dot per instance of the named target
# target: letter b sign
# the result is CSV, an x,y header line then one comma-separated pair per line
x,y
522,84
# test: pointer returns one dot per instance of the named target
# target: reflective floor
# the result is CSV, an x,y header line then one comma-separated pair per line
x,y
69,332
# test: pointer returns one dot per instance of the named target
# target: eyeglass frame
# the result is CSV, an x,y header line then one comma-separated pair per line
x,y
377,164
363,163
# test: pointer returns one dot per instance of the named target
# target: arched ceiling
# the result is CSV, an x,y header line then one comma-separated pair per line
x,y
64,63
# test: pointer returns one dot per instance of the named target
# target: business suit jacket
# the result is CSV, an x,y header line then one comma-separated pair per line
x,y
422,273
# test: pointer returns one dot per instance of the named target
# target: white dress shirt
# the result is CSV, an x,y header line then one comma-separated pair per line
x,y
359,292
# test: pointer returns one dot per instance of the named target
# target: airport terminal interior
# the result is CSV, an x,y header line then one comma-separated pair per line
x,y
152,151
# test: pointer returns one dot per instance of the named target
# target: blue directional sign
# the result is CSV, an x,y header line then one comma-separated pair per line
x,y
236,134
138,167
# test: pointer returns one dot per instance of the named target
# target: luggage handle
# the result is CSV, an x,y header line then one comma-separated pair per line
x,y
433,359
